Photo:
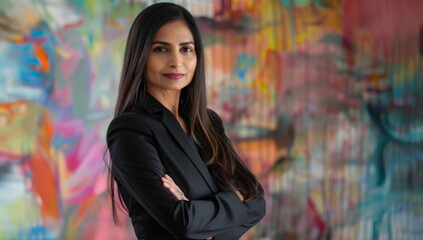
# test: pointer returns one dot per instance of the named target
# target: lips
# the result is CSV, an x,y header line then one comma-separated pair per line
x,y
174,75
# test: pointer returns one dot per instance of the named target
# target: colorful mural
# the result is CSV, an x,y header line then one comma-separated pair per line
x,y
322,98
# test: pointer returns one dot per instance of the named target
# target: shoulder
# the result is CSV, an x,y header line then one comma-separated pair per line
x,y
132,121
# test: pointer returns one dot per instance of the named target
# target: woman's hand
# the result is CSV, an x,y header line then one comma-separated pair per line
x,y
239,195
173,188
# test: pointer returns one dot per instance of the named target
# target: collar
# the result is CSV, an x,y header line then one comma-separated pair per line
x,y
151,105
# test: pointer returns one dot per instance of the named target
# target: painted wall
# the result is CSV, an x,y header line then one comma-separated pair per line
x,y
322,98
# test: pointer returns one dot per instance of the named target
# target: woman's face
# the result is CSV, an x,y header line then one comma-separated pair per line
x,y
171,60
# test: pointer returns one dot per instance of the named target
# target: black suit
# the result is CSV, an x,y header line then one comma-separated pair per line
x,y
147,142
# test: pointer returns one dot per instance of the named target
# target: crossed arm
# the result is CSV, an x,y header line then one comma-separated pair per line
x,y
177,192
221,215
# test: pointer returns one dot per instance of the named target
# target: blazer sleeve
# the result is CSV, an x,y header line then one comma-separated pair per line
x,y
136,165
256,211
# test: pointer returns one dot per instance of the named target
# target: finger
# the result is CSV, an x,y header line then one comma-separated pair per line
x,y
181,196
169,178
176,193
239,195
169,183
165,180
174,190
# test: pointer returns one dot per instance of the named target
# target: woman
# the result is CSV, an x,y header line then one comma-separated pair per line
x,y
175,169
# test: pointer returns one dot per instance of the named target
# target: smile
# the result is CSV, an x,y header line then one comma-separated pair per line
x,y
174,75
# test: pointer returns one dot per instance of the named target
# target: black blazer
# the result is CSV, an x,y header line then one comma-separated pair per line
x,y
147,142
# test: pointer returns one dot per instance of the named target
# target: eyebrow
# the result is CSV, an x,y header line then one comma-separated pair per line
x,y
168,44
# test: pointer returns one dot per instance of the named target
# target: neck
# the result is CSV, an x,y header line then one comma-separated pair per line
x,y
169,99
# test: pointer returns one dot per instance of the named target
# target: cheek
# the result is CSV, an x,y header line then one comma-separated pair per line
x,y
193,65
153,64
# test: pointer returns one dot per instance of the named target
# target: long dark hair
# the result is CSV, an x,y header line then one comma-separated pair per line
x,y
228,170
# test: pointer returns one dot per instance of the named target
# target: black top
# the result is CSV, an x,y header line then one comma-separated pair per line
x,y
148,142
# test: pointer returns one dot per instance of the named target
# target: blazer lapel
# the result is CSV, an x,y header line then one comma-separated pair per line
x,y
189,148
175,129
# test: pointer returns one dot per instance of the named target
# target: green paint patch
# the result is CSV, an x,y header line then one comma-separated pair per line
x,y
302,3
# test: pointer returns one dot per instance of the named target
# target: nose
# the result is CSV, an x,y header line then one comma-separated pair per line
x,y
175,60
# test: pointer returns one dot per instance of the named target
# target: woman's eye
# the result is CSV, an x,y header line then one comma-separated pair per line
x,y
187,49
160,49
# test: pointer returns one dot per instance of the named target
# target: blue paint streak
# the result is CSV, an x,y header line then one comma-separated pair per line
x,y
244,63
20,71
40,232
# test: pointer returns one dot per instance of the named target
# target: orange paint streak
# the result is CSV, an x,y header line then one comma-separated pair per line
x,y
18,39
6,112
376,78
9,107
44,172
262,152
222,58
45,185
42,57
46,132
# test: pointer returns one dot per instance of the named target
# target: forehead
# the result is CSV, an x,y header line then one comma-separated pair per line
x,y
175,31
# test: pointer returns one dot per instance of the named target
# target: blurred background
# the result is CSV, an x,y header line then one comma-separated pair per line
x,y
322,99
